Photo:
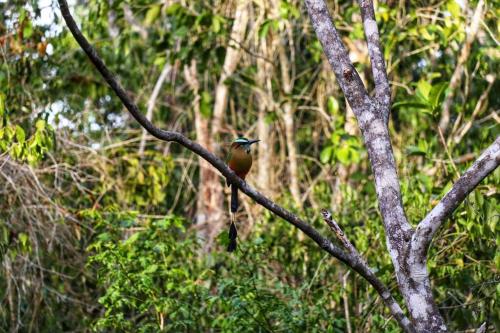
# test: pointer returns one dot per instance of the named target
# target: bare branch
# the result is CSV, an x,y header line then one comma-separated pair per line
x,y
484,165
389,301
152,102
327,216
136,26
456,78
382,89
491,78
482,328
336,53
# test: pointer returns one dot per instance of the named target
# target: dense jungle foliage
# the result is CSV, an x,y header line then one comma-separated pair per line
x,y
99,223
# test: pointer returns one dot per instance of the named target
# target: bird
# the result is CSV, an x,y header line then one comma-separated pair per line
x,y
239,160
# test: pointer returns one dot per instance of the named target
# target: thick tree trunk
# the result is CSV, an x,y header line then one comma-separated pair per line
x,y
209,214
210,203
288,114
372,114
233,54
264,105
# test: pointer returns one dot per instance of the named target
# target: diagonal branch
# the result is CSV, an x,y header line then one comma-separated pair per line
x,y
164,135
389,301
336,53
382,89
482,167
193,146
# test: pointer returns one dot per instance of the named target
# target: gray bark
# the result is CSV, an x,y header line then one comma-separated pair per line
x,y
406,246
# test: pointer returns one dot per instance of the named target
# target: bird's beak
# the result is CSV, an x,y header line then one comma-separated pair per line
x,y
252,141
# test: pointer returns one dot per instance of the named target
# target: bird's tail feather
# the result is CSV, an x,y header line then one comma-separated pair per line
x,y
233,234
234,199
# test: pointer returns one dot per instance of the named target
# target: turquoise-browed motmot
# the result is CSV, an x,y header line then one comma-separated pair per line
x,y
240,161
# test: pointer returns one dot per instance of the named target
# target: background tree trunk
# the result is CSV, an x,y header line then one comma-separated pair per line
x,y
210,215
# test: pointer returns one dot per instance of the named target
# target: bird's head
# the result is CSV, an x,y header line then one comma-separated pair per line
x,y
244,143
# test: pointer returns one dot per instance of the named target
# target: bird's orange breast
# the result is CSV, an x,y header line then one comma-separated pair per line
x,y
240,162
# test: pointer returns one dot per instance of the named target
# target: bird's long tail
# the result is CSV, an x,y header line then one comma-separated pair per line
x,y
233,233
234,199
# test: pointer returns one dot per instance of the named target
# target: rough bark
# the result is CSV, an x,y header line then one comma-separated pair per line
x,y
407,250
372,115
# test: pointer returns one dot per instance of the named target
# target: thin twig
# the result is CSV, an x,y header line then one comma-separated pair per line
x,y
443,141
384,292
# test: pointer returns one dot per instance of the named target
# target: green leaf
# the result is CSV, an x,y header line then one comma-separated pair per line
x,y
160,61
23,238
333,105
151,268
326,154
206,104
2,104
40,125
414,151
132,239
423,89
20,135
264,28
436,93
216,23
152,14
410,104
28,30
342,154
454,8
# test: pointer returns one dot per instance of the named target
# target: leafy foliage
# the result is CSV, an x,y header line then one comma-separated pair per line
x,y
95,236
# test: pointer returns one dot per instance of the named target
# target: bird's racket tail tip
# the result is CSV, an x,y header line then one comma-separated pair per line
x,y
231,247
233,233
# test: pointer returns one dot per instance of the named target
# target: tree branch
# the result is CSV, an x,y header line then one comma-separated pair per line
x,y
164,135
382,89
382,290
372,119
336,53
152,102
482,167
